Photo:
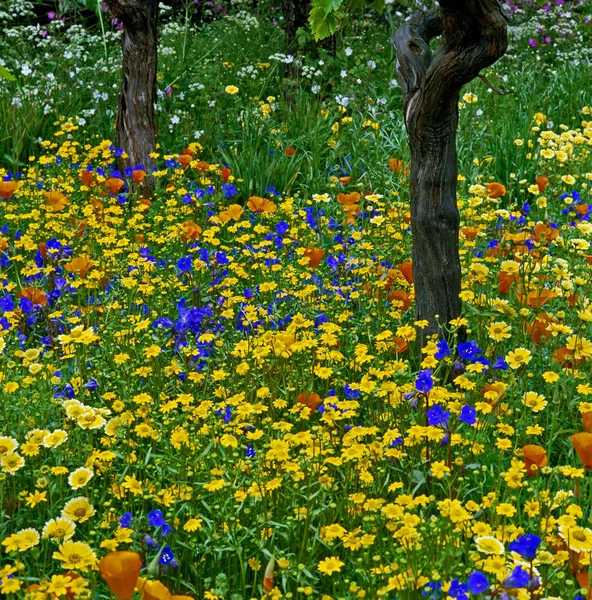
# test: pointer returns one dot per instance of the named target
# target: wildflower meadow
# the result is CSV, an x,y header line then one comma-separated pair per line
x,y
212,387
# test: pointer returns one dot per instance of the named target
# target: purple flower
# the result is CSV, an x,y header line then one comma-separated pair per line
x,y
532,43
458,590
125,520
438,416
469,350
468,415
518,579
166,556
443,349
155,518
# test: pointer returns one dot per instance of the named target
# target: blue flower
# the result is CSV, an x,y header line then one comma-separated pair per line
x,y
468,415
432,590
477,582
458,590
437,416
526,546
185,264
166,556
500,363
518,579
250,452
155,518
424,382
469,350
443,349
125,520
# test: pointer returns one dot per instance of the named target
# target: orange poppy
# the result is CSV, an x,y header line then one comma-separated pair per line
x,y
535,457
233,212
56,201
202,166
315,256
8,188
498,387
152,590
406,269
79,266
348,199
114,184
35,295
587,421
470,233
184,160
495,190
260,205
542,183
582,443
345,180
400,345
542,231
537,330
504,281
268,575
583,578
312,400
397,166
121,570
87,178
401,299
225,173
535,298
564,356
138,175
190,231
290,151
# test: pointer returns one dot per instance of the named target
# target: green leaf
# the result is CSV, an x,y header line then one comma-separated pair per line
x,y
326,5
6,74
322,24
378,6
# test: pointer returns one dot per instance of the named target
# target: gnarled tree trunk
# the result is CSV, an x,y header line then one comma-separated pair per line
x,y
135,112
474,36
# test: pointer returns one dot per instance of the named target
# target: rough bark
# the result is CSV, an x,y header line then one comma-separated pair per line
x,y
474,36
295,16
136,130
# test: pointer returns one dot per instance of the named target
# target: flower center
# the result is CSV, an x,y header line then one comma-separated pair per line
x,y
579,535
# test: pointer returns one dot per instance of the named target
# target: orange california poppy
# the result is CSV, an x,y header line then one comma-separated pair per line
x,y
225,174
184,160
315,256
535,298
8,188
348,199
35,295
312,400
87,178
234,212
345,180
537,330
542,183
202,166
495,190
470,233
290,151
498,388
261,205
396,165
401,299
268,575
542,232
121,570
504,281
582,209
406,269
153,590
535,457
582,443
587,421
138,175
114,184
190,231
399,345
56,201
80,266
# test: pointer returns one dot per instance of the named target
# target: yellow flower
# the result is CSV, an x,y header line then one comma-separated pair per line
x,y
439,469
536,402
76,555
193,524
489,545
35,498
55,439
581,347
78,509
58,529
79,478
579,539
499,331
506,510
11,463
231,89
330,565
7,445
550,376
215,485
517,358
27,538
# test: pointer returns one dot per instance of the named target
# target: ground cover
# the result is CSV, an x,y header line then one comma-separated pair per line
x,y
225,374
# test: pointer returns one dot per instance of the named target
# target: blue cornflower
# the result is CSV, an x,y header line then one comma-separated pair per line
x,y
526,546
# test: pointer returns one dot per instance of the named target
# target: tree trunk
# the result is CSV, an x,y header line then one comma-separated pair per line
x,y
295,16
136,131
474,36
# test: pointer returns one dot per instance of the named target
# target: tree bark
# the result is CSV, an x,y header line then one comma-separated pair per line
x,y
136,130
474,36
295,14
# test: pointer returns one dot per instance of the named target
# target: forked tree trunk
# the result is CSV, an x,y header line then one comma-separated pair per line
x,y
474,36
135,112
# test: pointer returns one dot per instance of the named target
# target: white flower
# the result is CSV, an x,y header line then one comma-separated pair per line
x,y
315,89
348,51
343,74
371,64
